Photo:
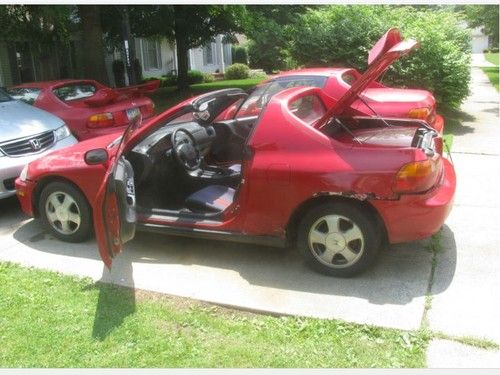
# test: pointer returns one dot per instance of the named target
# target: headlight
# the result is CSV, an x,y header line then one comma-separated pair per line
x,y
61,133
24,173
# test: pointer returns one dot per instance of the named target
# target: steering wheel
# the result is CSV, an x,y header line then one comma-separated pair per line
x,y
185,150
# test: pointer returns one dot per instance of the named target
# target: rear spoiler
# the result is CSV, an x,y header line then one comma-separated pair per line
x,y
148,87
108,95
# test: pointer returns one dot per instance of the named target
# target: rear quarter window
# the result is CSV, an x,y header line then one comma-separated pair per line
x,y
75,91
308,108
26,94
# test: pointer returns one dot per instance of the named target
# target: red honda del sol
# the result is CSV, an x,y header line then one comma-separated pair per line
x,y
302,172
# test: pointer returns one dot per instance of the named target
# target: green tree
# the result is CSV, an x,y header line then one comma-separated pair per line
x,y
36,23
485,16
268,27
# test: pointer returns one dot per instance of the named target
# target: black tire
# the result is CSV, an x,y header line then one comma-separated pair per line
x,y
60,191
351,220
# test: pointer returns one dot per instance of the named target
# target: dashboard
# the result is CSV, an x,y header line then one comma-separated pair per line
x,y
159,144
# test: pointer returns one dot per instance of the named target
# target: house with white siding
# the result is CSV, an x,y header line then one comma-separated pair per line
x,y
159,57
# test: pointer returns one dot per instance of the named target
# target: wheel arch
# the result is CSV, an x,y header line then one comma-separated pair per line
x,y
45,181
322,198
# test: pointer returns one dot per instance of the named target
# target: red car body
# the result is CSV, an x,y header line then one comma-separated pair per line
x,y
98,111
378,179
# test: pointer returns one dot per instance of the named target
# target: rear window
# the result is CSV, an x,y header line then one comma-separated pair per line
x,y
75,91
308,108
262,94
26,94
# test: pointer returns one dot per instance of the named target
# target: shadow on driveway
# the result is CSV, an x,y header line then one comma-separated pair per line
x,y
400,275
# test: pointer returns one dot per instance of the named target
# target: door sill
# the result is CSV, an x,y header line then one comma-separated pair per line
x,y
213,234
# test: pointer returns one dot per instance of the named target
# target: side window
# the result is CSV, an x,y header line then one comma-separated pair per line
x,y
308,108
26,94
75,91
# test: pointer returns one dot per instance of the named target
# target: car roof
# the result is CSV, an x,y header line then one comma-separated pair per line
x,y
49,84
314,72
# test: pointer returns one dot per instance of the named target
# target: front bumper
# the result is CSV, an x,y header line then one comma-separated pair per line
x,y
419,216
11,167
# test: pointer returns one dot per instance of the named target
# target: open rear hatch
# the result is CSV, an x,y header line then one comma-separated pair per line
x,y
388,49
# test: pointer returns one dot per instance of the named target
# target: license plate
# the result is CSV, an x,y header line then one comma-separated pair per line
x,y
132,113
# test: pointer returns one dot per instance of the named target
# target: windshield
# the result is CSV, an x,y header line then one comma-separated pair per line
x,y
4,97
262,94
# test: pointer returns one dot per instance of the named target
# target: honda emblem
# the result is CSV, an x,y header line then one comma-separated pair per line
x,y
35,144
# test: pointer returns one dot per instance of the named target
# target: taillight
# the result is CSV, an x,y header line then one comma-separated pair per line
x,y
419,113
417,176
101,120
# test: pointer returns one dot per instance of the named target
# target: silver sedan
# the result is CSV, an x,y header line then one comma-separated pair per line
x,y
26,133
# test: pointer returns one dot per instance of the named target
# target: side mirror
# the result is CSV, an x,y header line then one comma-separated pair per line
x,y
97,156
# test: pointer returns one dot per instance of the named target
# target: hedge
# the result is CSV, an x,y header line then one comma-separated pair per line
x,y
342,36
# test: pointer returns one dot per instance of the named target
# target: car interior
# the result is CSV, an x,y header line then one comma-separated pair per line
x,y
190,166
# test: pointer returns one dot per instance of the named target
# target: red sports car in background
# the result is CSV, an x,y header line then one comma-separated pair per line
x,y
88,108
375,99
335,185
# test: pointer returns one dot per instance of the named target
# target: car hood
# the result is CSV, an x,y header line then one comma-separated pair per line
x,y
18,120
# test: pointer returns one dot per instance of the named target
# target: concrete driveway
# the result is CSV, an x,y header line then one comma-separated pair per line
x,y
465,287
391,294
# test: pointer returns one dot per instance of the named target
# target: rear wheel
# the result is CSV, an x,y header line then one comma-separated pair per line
x,y
339,239
65,212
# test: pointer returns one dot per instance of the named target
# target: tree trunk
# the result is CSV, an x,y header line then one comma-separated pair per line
x,y
93,44
182,47
182,61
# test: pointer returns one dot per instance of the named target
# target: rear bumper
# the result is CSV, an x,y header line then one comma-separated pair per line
x,y
414,217
11,167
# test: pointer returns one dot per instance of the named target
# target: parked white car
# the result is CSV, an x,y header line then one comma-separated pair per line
x,y
26,133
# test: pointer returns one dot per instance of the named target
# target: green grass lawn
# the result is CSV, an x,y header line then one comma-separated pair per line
x,y
492,57
166,97
51,320
493,76
492,72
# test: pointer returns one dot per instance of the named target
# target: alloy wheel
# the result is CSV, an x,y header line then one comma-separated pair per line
x,y
336,241
62,212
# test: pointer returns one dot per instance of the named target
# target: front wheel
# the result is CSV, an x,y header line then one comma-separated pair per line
x,y
65,212
339,239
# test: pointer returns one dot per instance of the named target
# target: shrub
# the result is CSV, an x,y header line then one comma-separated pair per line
x,y
208,78
237,71
239,54
491,50
343,35
194,76
256,73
